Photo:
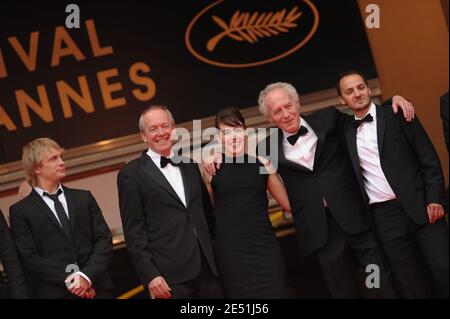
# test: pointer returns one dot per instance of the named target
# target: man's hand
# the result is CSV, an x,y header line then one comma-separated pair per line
x,y
212,163
400,102
159,289
435,212
90,293
78,285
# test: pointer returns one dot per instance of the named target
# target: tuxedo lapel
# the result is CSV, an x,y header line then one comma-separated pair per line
x,y
280,147
318,129
45,209
70,207
350,138
187,182
381,127
350,135
153,172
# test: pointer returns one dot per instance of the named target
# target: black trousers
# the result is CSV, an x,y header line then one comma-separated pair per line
x,y
337,260
205,286
417,253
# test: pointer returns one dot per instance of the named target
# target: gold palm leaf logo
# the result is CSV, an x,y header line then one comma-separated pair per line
x,y
247,27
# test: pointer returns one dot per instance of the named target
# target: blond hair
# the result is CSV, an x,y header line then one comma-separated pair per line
x,y
32,155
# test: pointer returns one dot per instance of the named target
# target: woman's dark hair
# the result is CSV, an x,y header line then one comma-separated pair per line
x,y
230,116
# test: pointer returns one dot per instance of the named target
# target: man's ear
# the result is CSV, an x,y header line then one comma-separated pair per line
x,y
144,138
342,100
370,92
36,170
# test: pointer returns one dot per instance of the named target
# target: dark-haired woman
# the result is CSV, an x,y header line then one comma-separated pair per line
x,y
247,252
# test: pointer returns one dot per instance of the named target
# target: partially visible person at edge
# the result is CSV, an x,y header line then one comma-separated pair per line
x,y
15,276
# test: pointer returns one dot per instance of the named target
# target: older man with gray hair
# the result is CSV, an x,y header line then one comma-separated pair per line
x,y
164,206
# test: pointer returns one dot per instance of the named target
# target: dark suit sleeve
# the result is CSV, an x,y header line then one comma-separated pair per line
x,y
429,160
388,102
133,222
33,263
103,249
444,117
11,263
343,119
207,206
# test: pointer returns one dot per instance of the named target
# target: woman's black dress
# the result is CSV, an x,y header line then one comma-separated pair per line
x,y
248,254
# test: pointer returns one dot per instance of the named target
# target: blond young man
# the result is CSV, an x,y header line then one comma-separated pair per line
x,y
62,238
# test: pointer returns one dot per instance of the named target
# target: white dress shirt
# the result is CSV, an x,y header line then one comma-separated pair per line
x,y
375,182
303,151
51,204
171,173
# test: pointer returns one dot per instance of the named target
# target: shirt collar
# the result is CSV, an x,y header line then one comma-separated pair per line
x,y
156,157
41,191
302,123
372,111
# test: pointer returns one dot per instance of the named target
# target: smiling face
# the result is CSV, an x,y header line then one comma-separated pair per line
x,y
51,169
233,139
283,110
355,93
157,131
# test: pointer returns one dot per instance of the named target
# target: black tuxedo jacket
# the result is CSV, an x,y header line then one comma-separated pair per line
x,y
45,252
11,263
163,236
332,179
408,160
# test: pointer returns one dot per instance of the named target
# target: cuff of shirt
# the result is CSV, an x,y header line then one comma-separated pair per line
x,y
84,276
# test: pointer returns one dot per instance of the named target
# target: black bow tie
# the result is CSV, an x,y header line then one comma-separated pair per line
x,y
54,196
165,161
367,118
293,138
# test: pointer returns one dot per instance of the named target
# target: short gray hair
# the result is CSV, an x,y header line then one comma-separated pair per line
x,y
273,86
151,108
